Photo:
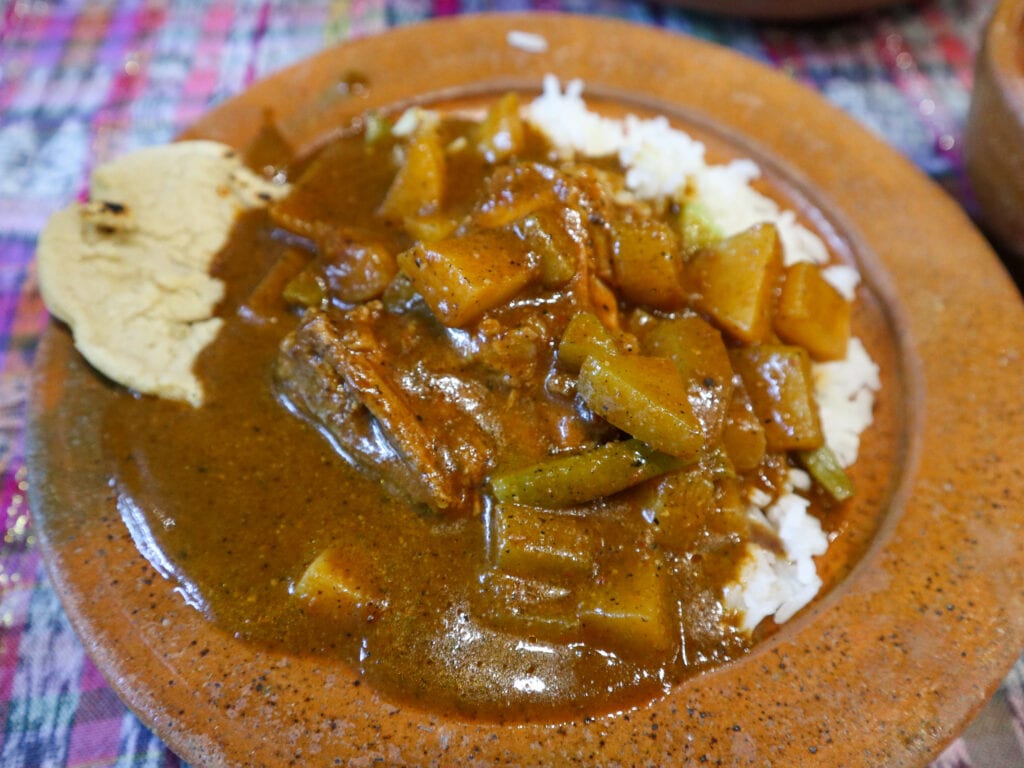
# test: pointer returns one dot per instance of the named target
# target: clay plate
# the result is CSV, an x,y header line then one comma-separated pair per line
x,y
882,670
994,138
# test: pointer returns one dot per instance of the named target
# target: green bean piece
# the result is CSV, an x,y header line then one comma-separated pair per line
x,y
825,468
564,481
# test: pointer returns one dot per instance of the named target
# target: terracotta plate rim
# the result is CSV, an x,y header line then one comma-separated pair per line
x,y
885,670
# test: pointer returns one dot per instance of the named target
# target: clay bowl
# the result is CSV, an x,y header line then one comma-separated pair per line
x,y
994,138
925,613
783,10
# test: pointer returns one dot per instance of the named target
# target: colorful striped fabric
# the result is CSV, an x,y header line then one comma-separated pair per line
x,y
81,82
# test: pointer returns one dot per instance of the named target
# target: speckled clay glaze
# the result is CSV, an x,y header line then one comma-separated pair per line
x,y
882,670
994,141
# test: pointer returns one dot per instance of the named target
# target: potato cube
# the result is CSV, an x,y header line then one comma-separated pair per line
x,y
735,281
536,543
340,583
418,187
431,228
514,192
699,353
558,237
680,505
585,336
645,397
778,379
813,314
627,609
695,346
501,134
743,436
463,277
529,607
646,261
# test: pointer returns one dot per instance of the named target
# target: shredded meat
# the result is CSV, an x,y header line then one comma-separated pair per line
x,y
334,371
429,415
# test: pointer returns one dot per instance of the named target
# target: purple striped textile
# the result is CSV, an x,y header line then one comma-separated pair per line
x,y
83,81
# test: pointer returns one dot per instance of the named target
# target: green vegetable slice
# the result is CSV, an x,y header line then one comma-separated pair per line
x,y
825,468
577,478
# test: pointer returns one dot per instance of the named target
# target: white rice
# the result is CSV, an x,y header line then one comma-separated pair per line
x,y
660,160
570,126
843,278
845,390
